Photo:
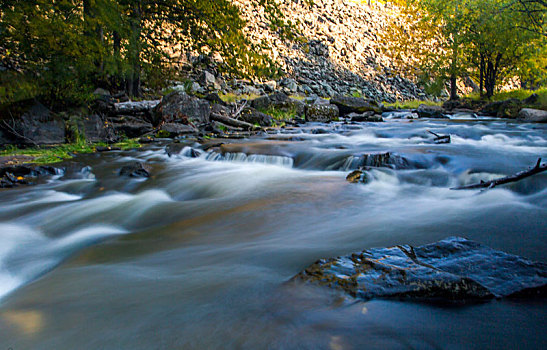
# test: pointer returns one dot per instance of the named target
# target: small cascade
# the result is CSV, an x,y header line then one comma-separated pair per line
x,y
282,161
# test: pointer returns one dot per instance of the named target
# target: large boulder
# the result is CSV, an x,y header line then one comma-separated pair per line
x,y
425,111
94,128
279,101
252,116
175,129
35,125
133,129
347,105
179,107
451,269
321,113
533,115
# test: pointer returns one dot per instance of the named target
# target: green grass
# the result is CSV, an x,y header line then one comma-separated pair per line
x,y
413,104
59,153
520,94
231,97
279,114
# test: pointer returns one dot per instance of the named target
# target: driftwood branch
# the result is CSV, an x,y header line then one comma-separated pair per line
x,y
238,110
232,122
439,139
11,128
538,168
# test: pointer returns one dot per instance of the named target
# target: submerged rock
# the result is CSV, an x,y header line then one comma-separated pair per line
x,y
453,269
136,169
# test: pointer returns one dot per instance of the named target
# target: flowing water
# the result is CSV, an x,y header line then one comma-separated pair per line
x,y
197,256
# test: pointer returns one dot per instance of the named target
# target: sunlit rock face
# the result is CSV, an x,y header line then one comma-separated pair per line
x,y
451,269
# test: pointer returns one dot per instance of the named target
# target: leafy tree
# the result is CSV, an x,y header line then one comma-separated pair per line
x,y
488,39
62,49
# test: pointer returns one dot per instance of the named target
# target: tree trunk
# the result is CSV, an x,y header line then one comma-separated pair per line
x,y
133,83
481,77
453,88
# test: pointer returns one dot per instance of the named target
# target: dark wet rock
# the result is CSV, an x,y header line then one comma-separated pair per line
x,y
369,116
106,148
214,98
76,170
323,113
252,116
175,129
136,169
384,160
35,125
94,128
347,105
12,176
502,109
425,111
133,129
319,131
533,115
533,98
355,176
454,269
179,107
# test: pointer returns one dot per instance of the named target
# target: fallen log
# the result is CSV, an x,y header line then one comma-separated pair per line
x,y
440,139
538,168
233,122
135,107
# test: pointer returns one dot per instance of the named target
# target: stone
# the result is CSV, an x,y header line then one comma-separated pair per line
x,y
207,79
369,116
347,105
95,129
425,111
454,269
384,160
252,116
179,107
503,109
176,129
36,125
133,129
321,113
136,169
13,176
533,115
270,86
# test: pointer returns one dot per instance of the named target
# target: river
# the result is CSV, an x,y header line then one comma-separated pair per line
x,y
198,255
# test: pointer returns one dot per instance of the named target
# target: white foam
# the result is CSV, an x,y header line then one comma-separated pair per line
x,y
26,253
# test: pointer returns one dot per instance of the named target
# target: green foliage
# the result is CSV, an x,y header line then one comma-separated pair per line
x,y
520,94
280,113
490,40
60,51
411,104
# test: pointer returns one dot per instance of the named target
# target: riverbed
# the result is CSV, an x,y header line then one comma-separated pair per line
x,y
198,255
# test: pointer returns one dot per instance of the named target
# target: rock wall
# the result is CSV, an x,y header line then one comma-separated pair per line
x,y
340,50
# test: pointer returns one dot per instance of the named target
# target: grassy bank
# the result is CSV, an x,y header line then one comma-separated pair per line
x,y
58,153
520,94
